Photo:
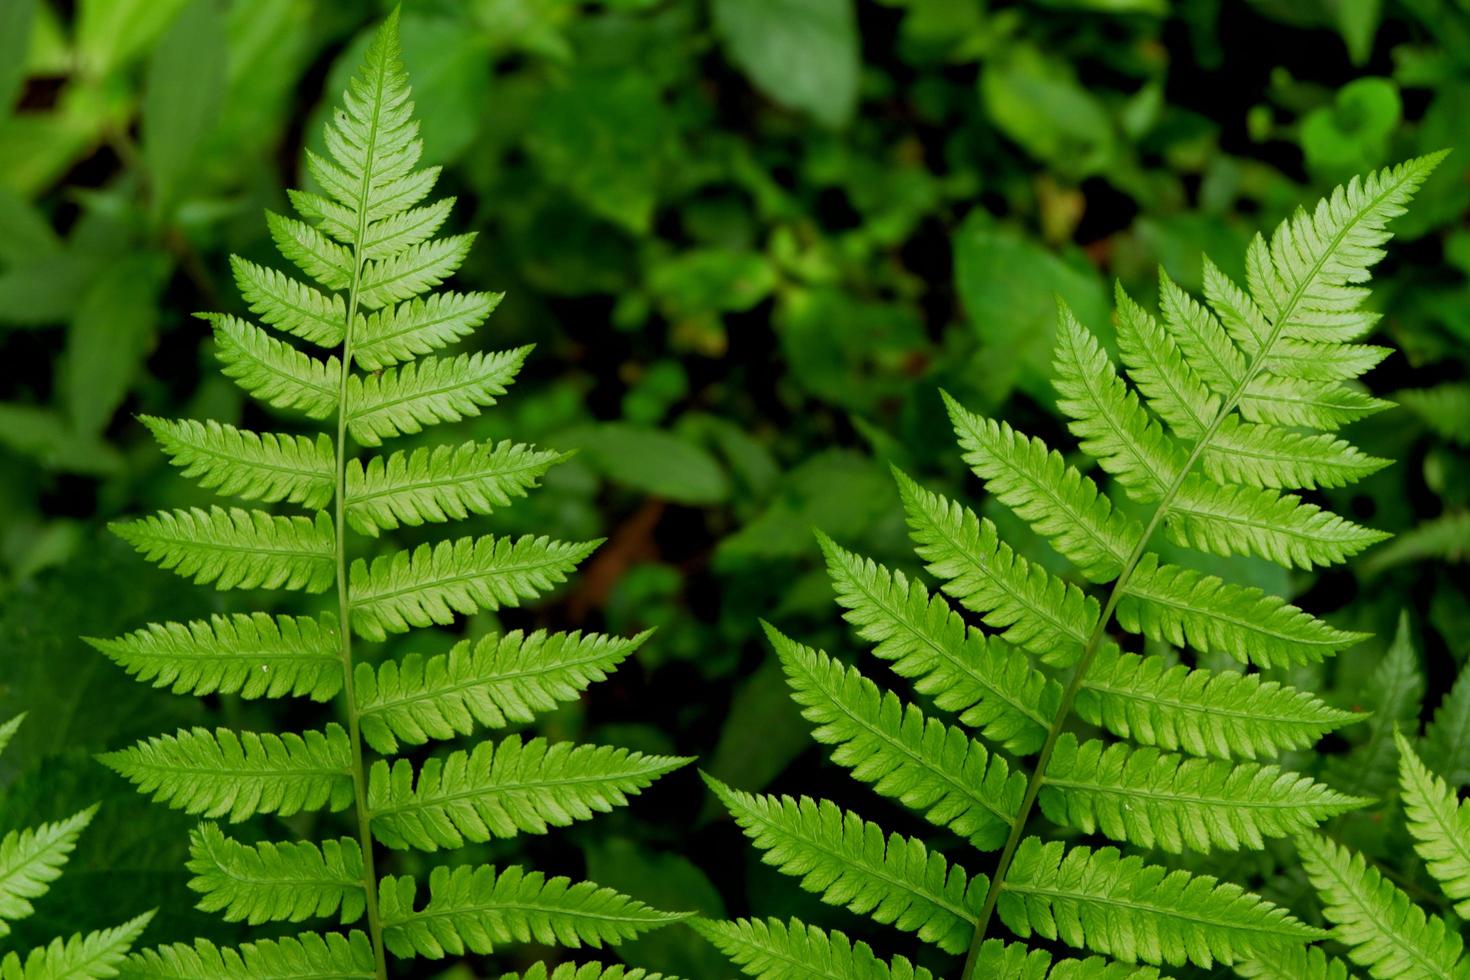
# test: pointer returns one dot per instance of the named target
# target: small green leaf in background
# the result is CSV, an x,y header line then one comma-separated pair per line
x,y
1352,134
651,461
451,77
804,54
15,34
185,81
109,337
1037,101
1009,286
667,881
25,234
110,33
1357,22
606,139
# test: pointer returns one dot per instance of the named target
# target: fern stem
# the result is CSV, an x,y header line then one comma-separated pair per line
x,y
1079,674
344,598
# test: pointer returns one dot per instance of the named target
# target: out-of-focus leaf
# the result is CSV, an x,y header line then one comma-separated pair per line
x,y
650,460
46,437
1357,22
15,35
1352,134
25,234
110,33
848,352
37,147
606,139
712,281
1036,100
109,336
804,54
451,76
667,881
1009,286
185,80
761,713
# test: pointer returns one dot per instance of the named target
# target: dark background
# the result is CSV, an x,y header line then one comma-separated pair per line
x,y
751,239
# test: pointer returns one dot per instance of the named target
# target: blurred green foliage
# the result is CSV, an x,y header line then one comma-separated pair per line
x,y
752,239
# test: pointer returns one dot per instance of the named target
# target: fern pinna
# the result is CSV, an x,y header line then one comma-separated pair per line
x,y
368,242
1233,403
30,860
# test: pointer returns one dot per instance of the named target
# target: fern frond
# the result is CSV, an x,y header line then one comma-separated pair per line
x,y
81,957
237,549
478,909
1034,609
937,770
412,271
501,789
1446,744
1384,931
495,681
31,859
990,684
1157,366
1107,418
850,862
1059,502
1445,409
1311,360
1295,964
1268,457
260,466
1439,824
274,371
1312,404
291,306
1206,346
769,949
1179,605
224,773
1240,520
285,882
1014,961
430,584
1154,799
254,656
1444,538
1206,713
309,956
313,252
408,330
1132,911
441,484
586,971
406,398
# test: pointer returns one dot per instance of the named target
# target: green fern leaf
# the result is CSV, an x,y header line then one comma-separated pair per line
x,y
305,957
82,957
1394,693
1295,964
441,484
772,950
991,685
1014,961
1179,606
496,681
850,862
224,773
286,882
1311,360
419,326
1439,824
1035,610
1444,538
930,767
1313,404
1447,738
503,788
1157,366
255,466
1206,347
476,909
430,584
585,971
406,398
1445,409
1265,456
1153,799
1134,911
253,655
1384,931
31,859
382,239
412,271
291,306
313,252
237,549
1059,502
274,371
1206,713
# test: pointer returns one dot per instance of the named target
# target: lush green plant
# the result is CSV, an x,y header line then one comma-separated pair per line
x,y
30,860
1240,400
369,243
